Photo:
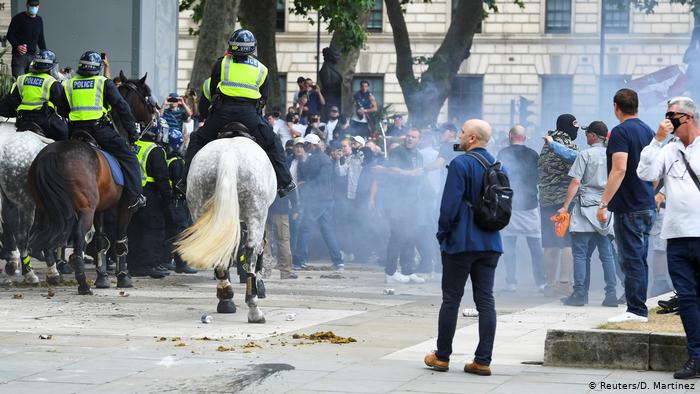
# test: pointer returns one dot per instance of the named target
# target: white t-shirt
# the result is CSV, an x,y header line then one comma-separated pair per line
x,y
280,128
330,126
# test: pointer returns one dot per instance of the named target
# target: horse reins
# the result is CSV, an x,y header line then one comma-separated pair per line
x,y
132,87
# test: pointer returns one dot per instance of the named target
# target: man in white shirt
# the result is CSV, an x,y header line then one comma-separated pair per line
x,y
332,123
279,127
677,164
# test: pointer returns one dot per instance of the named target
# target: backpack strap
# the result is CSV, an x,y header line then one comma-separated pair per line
x,y
480,158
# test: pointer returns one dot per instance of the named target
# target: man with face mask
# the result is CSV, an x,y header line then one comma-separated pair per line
x,y
677,164
553,182
26,35
631,200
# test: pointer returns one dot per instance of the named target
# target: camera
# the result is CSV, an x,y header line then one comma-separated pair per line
x,y
172,100
103,55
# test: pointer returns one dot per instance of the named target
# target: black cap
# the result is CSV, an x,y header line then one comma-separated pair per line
x,y
33,2
598,128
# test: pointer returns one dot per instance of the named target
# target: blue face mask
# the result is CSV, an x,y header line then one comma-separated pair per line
x,y
33,10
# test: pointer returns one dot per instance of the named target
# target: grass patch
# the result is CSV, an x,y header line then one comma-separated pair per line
x,y
670,323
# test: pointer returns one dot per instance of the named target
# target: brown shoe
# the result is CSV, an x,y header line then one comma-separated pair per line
x,y
433,363
477,369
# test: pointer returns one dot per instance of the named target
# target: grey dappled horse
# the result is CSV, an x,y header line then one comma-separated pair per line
x,y
230,181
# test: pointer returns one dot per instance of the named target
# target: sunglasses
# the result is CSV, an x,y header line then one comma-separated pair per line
x,y
671,115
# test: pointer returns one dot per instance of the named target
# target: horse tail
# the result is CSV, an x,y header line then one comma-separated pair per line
x,y
216,233
55,213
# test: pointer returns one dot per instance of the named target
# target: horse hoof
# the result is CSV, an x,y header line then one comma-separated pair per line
x,y
64,268
31,278
85,291
124,282
260,320
53,280
102,282
11,268
226,306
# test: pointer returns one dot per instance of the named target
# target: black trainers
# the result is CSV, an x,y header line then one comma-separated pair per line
x,y
283,191
574,300
170,265
146,271
140,202
671,303
162,269
185,269
691,370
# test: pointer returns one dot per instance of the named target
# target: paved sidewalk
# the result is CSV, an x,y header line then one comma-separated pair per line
x,y
151,340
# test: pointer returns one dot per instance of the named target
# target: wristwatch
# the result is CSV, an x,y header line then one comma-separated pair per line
x,y
603,206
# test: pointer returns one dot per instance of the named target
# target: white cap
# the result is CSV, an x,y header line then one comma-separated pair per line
x,y
359,140
312,139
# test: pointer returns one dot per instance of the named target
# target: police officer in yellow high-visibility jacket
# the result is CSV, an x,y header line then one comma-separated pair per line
x,y
35,96
241,89
146,230
89,98
204,100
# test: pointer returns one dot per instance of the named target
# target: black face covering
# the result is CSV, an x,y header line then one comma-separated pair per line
x,y
565,123
676,122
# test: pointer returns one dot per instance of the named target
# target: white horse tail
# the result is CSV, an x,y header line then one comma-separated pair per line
x,y
215,235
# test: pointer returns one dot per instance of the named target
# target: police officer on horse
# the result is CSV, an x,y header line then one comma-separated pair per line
x,y
240,88
89,97
35,96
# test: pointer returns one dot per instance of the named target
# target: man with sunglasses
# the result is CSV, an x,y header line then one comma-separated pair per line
x,y
631,200
677,164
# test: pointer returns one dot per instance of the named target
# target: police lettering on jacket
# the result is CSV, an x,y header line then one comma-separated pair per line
x,y
84,84
33,81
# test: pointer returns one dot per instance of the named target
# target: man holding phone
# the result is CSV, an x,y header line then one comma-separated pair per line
x,y
175,111
26,35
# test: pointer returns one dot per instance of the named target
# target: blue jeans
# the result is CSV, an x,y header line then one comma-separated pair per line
x,y
294,230
583,245
321,213
684,267
632,236
456,269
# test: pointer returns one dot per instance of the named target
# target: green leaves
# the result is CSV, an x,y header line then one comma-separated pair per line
x,y
342,17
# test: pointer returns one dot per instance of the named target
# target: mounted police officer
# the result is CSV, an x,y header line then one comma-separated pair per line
x,y
204,100
177,215
35,96
147,228
89,97
240,88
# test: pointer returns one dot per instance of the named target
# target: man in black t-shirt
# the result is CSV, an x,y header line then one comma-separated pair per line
x,y
26,35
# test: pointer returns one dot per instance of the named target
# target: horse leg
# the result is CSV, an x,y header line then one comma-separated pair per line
x,y
25,219
224,291
63,266
259,284
122,247
101,246
10,224
77,262
53,277
255,315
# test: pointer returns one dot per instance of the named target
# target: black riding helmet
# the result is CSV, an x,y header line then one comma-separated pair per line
x,y
242,43
90,64
43,62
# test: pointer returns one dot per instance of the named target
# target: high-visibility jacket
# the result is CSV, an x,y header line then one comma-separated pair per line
x,y
242,79
85,96
145,149
35,90
206,89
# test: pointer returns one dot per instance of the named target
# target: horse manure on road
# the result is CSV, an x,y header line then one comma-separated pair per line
x,y
17,296
325,336
223,348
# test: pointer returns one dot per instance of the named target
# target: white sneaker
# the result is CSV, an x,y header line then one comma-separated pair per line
x,y
413,278
627,316
470,312
510,288
397,278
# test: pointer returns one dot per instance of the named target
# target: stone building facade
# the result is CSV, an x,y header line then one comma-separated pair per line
x,y
547,52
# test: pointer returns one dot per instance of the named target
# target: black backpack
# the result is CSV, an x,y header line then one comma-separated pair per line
x,y
492,211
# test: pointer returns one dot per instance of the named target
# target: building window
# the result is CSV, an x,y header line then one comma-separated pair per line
x,y
466,99
282,78
455,3
616,16
376,86
557,94
281,16
558,16
374,23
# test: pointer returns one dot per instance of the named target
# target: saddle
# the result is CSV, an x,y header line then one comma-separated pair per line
x,y
83,136
234,129
28,125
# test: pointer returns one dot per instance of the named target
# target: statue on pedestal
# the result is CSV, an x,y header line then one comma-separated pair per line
x,y
331,80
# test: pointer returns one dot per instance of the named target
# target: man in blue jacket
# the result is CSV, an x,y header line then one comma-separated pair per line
x,y
467,250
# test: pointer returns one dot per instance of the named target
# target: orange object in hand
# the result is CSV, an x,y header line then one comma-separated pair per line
x,y
561,223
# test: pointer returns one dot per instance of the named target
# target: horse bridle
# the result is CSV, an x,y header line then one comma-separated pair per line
x,y
132,87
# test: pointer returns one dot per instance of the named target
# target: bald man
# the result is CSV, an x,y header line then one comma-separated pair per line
x,y
521,164
467,251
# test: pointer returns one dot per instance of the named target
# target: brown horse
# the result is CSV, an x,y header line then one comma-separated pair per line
x,y
72,185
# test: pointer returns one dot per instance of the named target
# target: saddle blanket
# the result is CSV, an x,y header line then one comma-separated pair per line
x,y
117,173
